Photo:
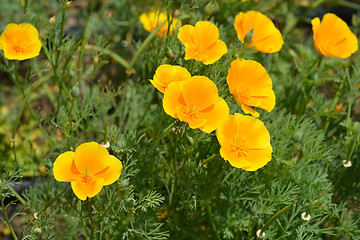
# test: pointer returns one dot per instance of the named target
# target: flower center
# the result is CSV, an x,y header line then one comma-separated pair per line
x,y
238,146
239,94
191,112
86,178
18,49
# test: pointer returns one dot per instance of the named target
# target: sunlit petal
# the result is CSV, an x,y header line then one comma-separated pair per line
x,y
265,37
111,173
244,141
333,38
84,190
91,157
64,169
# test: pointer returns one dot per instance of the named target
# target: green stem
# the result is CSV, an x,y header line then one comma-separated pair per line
x,y
209,159
12,190
81,54
7,219
48,204
106,131
145,43
276,216
232,39
333,104
212,223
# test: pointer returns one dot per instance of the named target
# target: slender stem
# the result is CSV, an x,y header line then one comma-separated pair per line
x,y
7,219
209,159
145,43
232,39
12,190
81,54
276,216
212,223
333,104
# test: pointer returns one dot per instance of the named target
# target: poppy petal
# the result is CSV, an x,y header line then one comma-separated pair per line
x,y
91,157
111,173
63,167
83,190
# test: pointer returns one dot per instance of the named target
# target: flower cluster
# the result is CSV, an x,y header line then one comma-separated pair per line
x,y
244,140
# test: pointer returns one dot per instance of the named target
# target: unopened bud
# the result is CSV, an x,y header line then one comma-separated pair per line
x,y
37,231
75,90
67,5
125,183
248,37
130,202
52,20
298,135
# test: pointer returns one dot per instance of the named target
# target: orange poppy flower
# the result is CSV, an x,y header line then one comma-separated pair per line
x,y
333,38
165,74
196,101
152,19
244,141
250,85
202,42
88,169
20,42
266,37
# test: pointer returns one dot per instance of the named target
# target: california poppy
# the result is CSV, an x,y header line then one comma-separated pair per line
x,y
196,101
250,85
165,74
152,19
244,141
202,42
20,42
88,169
265,38
333,38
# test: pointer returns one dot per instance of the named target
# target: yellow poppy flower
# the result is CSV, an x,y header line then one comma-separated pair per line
x,y
88,169
20,42
202,42
165,74
196,101
244,141
250,85
333,38
266,37
152,19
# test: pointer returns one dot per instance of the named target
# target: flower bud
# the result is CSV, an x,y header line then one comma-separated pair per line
x,y
37,231
125,182
130,202
75,90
